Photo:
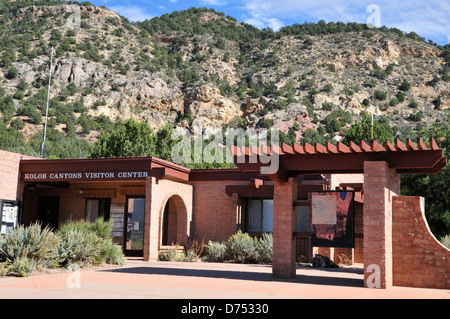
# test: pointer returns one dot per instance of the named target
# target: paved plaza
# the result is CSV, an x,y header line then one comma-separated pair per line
x,y
172,280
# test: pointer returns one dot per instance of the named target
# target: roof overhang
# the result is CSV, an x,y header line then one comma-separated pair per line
x,y
100,169
342,159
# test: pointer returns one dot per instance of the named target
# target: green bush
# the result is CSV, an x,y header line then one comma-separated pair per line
x,y
38,245
98,248
241,248
215,251
265,249
76,244
114,254
22,267
171,254
79,246
5,268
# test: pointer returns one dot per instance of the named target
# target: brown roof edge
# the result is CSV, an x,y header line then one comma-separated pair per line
x,y
152,159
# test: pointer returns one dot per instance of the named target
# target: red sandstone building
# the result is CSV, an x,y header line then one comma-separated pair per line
x,y
155,204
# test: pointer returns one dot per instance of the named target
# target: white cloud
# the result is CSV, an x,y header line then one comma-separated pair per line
x,y
133,14
214,2
263,22
430,19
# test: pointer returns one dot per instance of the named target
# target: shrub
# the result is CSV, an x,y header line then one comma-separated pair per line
x,y
394,101
38,245
241,248
100,247
413,104
215,251
4,268
171,254
81,247
12,73
400,96
22,267
404,86
380,95
265,249
114,254
75,244
17,124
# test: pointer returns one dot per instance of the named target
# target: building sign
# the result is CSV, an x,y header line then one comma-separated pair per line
x,y
332,219
84,176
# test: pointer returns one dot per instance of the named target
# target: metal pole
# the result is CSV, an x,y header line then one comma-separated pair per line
x,y
42,152
373,110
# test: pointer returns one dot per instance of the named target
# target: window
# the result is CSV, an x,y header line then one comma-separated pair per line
x,y
302,219
259,215
97,207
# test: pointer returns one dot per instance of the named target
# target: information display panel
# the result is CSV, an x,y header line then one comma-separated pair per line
x,y
9,215
332,219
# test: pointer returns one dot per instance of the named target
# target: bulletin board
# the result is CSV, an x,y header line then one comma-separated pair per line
x,y
9,217
332,222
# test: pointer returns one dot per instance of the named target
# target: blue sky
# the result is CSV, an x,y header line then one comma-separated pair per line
x,y
430,19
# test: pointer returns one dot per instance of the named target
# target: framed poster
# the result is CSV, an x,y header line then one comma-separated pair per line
x,y
332,219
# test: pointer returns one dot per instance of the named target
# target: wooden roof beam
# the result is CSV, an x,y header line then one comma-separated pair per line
x,y
331,148
410,145
388,146
342,148
355,148
399,146
309,149
421,145
376,147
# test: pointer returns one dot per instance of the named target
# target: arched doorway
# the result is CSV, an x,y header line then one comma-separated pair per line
x,y
174,222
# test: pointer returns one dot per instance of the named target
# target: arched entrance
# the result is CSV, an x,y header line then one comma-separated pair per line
x,y
174,228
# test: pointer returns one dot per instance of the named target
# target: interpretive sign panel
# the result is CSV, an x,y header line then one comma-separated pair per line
x,y
332,219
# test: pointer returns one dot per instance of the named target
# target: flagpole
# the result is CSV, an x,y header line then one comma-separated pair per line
x,y
42,152
373,109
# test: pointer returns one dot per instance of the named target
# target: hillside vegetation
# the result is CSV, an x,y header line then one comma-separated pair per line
x,y
312,80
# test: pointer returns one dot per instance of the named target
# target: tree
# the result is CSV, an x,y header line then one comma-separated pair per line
x,y
362,130
129,138
12,73
404,86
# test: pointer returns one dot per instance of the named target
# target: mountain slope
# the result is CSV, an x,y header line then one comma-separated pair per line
x,y
199,64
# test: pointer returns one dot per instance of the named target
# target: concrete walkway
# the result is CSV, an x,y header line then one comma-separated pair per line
x,y
169,280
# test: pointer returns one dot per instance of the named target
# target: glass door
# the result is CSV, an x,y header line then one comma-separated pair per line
x,y
134,242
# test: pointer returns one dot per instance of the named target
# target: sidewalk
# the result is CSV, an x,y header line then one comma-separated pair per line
x,y
170,280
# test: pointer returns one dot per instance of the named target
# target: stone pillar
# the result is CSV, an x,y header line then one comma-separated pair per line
x,y
380,184
284,220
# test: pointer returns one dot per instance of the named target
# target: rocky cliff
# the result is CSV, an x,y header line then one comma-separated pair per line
x,y
209,67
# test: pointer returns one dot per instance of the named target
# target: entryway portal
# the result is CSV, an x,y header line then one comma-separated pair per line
x,y
135,212
48,211
174,228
